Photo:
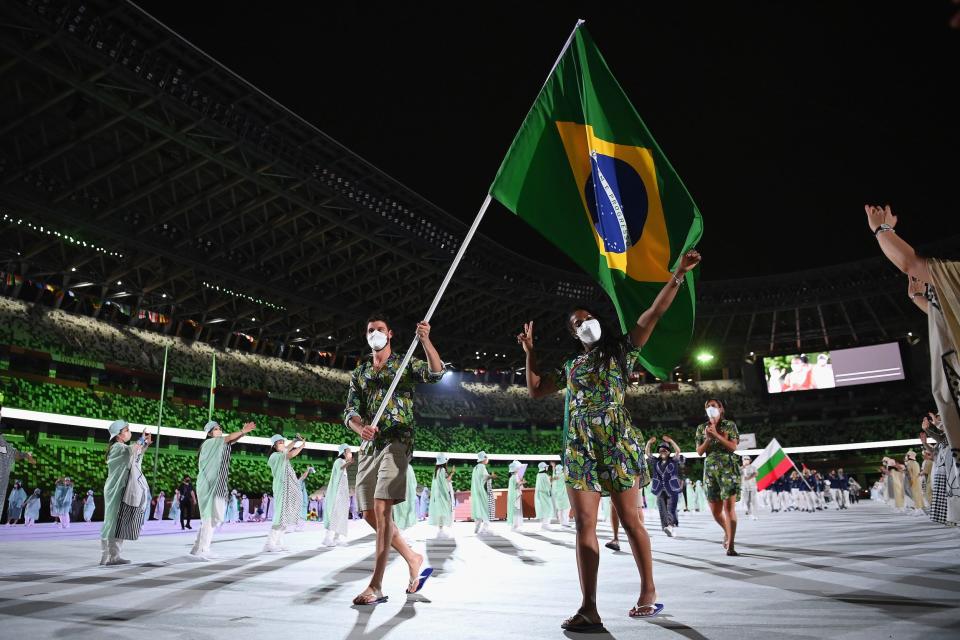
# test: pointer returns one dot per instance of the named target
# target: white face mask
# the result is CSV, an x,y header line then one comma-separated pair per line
x,y
589,331
377,340
713,412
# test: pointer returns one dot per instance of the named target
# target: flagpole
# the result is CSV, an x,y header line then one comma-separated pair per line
x,y
456,262
433,307
799,473
163,389
213,386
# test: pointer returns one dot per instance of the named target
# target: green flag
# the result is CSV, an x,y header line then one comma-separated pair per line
x,y
213,386
585,172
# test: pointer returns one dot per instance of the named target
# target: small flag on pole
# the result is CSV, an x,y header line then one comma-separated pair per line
x,y
213,386
771,464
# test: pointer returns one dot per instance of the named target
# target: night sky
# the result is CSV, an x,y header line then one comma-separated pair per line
x,y
781,118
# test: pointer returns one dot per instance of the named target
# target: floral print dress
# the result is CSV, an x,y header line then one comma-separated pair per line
x,y
721,468
603,450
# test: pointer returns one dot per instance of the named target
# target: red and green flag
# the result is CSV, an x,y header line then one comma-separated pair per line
x,y
771,464
585,172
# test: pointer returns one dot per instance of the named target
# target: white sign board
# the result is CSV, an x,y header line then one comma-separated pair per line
x,y
747,441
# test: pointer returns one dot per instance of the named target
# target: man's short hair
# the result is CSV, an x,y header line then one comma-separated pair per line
x,y
379,316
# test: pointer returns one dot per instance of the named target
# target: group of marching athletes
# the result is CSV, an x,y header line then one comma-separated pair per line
x,y
604,456
806,490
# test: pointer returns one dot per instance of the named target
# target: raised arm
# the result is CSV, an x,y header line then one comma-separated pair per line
x,y
648,319
233,437
423,333
917,294
537,384
672,443
882,222
293,451
646,448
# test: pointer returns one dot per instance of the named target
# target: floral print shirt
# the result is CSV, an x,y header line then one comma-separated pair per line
x,y
594,388
715,449
368,386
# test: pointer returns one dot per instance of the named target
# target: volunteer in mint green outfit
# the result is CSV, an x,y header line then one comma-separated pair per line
x,y
286,490
543,499
561,501
125,500
212,493
480,495
441,499
515,495
405,513
336,510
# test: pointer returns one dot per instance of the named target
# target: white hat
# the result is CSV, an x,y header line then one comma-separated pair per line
x,y
343,447
481,456
441,458
210,426
90,492
116,427
275,438
747,458
542,466
513,465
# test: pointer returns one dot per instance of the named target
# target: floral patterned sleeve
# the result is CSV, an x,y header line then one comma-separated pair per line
x,y
559,376
701,435
420,371
354,399
732,432
633,358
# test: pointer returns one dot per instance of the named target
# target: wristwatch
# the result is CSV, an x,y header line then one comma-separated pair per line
x,y
883,227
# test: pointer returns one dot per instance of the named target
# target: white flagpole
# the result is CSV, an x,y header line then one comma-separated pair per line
x,y
456,262
163,389
433,307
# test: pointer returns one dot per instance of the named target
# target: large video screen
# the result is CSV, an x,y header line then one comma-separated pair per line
x,y
829,369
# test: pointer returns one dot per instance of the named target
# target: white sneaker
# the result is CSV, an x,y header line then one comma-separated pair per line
x,y
198,557
668,531
269,548
118,560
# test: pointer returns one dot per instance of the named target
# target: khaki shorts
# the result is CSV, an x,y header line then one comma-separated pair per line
x,y
382,473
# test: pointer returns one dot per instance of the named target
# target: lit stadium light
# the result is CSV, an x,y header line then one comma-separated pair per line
x,y
704,357
73,269
119,283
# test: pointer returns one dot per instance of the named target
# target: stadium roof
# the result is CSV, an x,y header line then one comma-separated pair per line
x,y
134,165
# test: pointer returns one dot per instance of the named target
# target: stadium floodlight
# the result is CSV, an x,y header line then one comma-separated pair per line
x,y
704,357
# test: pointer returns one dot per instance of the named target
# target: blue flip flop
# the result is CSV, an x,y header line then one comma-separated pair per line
x,y
657,608
426,573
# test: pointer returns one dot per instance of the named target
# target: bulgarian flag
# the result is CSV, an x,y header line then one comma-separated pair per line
x,y
771,464
586,173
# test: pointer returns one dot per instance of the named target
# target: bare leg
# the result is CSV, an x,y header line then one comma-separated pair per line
x,y
615,523
585,505
730,509
717,509
626,503
388,536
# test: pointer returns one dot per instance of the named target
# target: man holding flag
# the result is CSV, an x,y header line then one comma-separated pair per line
x,y
385,454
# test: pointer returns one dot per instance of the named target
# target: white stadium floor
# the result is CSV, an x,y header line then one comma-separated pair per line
x,y
863,573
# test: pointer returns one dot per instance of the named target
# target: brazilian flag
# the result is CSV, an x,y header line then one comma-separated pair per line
x,y
585,172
